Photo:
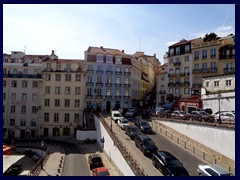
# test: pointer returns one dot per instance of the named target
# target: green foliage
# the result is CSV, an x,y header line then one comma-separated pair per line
x,y
210,37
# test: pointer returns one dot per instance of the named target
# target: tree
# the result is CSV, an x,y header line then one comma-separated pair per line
x,y
210,37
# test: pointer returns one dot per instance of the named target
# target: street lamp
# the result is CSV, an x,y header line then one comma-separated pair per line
x,y
42,145
219,116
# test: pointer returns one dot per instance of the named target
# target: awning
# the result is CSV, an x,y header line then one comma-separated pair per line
x,y
9,160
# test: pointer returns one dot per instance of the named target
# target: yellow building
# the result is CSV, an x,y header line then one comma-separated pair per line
x,y
63,96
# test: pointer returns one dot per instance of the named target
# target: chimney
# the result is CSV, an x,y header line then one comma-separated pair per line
x,y
101,47
123,51
154,55
52,52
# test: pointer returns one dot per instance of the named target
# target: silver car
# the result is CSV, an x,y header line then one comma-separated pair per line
x,y
212,170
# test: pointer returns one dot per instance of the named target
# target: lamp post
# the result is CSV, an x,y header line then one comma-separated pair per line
x,y
219,116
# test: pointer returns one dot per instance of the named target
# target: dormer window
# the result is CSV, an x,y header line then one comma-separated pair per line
x,y
187,48
99,58
109,59
118,60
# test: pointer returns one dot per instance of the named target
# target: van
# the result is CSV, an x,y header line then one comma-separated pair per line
x,y
115,115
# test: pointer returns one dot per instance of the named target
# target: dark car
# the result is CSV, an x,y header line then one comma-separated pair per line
x,y
143,126
145,144
131,131
131,119
168,164
203,116
95,161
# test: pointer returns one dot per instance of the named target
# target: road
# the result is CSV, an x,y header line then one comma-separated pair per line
x,y
189,161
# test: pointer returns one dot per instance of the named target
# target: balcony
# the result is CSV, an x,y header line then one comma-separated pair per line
x,y
118,85
213,56
89,83
89,71
170,84
196,58
127,73
109,72
186,83
118,73
99,71
47,69
108,96
230,56
213,70
228,70
118,97
162,91
99,84
32,76
197,85
186,74
108,84
89,96
171,75
98,97
126,85
204,57
177,64
68,70
195,71
126,97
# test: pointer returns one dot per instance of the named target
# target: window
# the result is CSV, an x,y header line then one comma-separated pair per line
x,y
58,77
67,103
127,69
34,97
126,81
216,83
186,58
204,66
47,89
89,79
213,53
99,58
35,72
171,51
14,71
99,67
162,77
48,65
118,69
76,118
187,48
207,84
68,67
109,79
46,117
117,92
196,66
24,84
35,84
170,90
77,102
12,122
171,71
186,70
89,67
109,68
48,77
23,122
213,65
57,90
177,90
24,97
118,80
204,54
33,123
126,92
67,90
109,92
171,61
57,103
13,96
177,59
109,59
118,60
47,102
23,109
68,77
186,91
196,55
177,71
13,109
34,109
78,77
178,50
56,117
4,83
58,66
14,83
25,71
77,90
66,117
89,92
228,82
99,79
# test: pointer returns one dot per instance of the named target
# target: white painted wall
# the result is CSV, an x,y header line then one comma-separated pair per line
x,y
112,151
82,135
218,139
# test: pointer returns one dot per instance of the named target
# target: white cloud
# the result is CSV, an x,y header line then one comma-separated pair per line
x,y
170,43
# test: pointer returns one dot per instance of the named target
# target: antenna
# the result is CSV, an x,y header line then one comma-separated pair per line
x,y
139,44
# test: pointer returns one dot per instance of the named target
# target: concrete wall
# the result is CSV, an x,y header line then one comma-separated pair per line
x,y
116,158
82,135
207,143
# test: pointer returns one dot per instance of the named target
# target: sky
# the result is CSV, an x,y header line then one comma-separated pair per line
x,y
70,29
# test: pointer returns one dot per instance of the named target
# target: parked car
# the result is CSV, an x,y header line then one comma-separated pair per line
x,y
212,170
131,131
122,123
131,112
101,171
94,161
131,119
143,126
225,116
115,115
168,164
179,114
145,144
203,116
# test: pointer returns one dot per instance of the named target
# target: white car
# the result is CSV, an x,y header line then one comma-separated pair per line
x,y
225,116
212,170
122,123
